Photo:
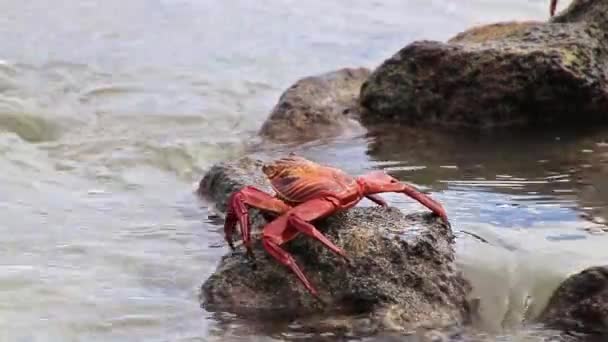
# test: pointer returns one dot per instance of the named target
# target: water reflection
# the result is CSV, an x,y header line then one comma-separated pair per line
x,y
555,175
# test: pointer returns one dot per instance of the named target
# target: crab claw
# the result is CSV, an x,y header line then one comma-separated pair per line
x,y
238,211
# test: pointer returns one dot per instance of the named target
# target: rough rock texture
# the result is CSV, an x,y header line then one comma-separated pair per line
x,y
480,34
224,178
402,275
316,107
500,75
580,304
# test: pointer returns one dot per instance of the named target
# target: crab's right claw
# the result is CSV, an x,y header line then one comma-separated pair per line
x,y
238,211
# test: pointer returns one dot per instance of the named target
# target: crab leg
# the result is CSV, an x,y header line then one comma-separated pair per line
x,y
552,7
374,186
295,221
377,199
287,260
238,212
306,228
423,199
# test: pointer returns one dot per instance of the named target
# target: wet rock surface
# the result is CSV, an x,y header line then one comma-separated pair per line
x,y
499,75
315,107
224,178
580,305
402,277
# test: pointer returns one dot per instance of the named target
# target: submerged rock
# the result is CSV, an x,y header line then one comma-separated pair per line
x,y
402,277
317,107
500,75
580,304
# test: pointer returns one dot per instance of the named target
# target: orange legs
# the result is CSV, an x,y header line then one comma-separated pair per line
x,y
374,184
295,221
377,199
290,222
238,211
423,199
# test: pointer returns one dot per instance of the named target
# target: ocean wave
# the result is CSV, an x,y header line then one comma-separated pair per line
x,y
28,126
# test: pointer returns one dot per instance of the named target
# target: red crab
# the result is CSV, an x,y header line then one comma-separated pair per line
x,y
307,191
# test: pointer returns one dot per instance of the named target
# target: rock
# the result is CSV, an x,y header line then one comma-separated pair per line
x,y
592,12
480,34
499,75
224,178
580,304
317,107
403,274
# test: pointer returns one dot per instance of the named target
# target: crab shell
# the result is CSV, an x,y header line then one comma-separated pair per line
x,y
297,180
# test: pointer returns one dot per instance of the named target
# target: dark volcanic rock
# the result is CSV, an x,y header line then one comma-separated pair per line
x,y
316,107
500,75
580,304
402,275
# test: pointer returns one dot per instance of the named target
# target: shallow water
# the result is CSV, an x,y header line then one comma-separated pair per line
x,y
111,111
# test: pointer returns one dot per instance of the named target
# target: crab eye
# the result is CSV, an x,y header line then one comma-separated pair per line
x,y
394,180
